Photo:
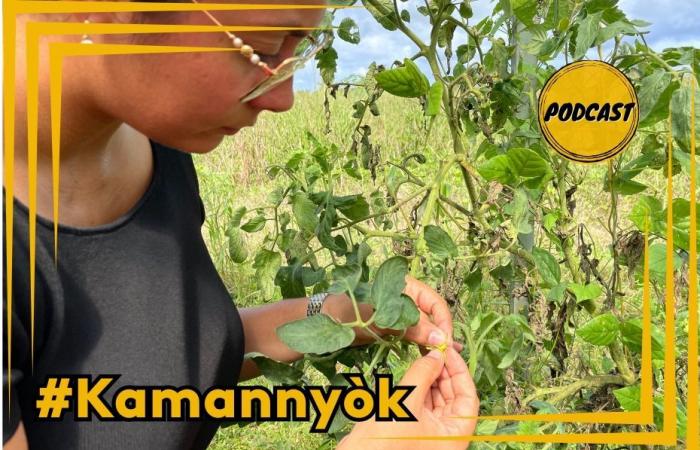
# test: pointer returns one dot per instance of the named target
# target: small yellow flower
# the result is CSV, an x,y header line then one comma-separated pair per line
x,y
441,347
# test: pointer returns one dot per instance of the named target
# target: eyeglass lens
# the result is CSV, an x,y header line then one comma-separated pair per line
x,y
306,50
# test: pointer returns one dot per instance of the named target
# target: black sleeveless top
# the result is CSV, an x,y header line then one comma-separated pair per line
x,y
139,297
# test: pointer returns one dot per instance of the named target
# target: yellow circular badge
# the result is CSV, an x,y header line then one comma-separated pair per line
x,y
588,111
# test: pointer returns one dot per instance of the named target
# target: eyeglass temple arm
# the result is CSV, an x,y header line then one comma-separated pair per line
x,y
213,19
268,71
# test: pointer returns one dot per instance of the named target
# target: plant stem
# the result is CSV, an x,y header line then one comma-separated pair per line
x,y
388,211
457,144
377,357
402,26
569,257
380,233
618,355
427,217
565,392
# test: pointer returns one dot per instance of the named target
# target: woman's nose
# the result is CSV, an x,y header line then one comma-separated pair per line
x,y
278,99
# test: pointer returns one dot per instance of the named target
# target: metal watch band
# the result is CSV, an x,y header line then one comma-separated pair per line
x,y
315,303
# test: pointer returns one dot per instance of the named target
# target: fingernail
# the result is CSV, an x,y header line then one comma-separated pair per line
x,y
458,346
435,354
436,337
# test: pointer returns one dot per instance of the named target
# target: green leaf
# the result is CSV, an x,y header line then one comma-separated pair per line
x,y
275,371
657,261
549,220
304,212
345,278
629,397
237,250
587,32
295,160
327,64
519,209
465,9
512,354
290,279
434,99
654,95
615,29
390,280
406,81
497,58
556,294
266,265
311,277
257,223
237,215
528,164
383,12
631,333
624,185
601,330
393,309
680,117
354,207
586,292
399,314
648,209
684,160
547,267
498,169
348,31
486,427
316,334
323,231
439,242
681,222
525,11
594,6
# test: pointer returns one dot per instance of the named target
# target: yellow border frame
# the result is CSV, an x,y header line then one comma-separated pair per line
x,y
666,437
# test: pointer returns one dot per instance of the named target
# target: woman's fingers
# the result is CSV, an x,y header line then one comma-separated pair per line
x,y
422,373
420,332
465,400
436,395
430,302
446,389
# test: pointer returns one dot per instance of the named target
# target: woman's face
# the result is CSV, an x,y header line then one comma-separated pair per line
x,y
190,101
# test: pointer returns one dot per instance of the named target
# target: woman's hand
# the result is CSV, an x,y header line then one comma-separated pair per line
x,y
434,314
444,393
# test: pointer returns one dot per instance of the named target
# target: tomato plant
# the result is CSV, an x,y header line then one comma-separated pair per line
x,y
550,313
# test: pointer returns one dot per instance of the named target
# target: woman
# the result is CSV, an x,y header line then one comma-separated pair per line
x,y
134,291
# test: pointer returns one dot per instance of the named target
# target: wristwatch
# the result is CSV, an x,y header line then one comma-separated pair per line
x,y
315,303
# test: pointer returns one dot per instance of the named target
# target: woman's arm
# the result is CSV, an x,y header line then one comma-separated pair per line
x,y
261,322
18,441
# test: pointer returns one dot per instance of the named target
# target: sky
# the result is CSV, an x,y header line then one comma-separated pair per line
x,y
674,23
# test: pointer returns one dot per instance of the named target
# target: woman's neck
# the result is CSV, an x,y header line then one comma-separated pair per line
x,y
105,166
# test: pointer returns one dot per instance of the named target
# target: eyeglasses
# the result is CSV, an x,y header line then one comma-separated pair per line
x,y
306,50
